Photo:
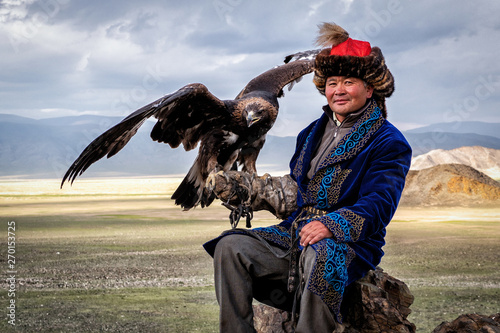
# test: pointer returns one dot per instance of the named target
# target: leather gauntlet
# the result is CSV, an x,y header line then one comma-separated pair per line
x,y
277,195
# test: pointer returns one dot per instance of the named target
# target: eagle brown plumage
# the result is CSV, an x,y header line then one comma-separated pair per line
x,y
230,132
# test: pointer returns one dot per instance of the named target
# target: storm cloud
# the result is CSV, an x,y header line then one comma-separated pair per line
x,y
63,57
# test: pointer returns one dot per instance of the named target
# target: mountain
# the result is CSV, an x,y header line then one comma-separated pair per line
x,y
461,127
45,148
453,135
450,185
422,143
482,159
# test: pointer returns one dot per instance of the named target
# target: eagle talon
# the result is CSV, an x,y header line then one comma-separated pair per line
x,y
267,178
210,182
225,176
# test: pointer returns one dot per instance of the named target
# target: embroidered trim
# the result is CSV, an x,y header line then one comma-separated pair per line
x,y
329,276
326,183
299,166
355,140
276,234
325,188
345,225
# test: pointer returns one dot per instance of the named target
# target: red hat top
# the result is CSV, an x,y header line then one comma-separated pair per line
x,y
352,47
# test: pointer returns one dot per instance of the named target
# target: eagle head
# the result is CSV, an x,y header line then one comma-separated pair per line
x,y
253,117
257,111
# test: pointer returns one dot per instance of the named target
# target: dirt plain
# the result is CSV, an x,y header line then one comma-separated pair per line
x,y
118,256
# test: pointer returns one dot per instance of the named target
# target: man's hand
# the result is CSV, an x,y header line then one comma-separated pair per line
x,y
313,232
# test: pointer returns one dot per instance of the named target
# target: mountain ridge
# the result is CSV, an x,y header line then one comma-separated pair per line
x,y
45,148
461,127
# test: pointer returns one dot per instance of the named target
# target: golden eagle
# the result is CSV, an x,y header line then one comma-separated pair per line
x,y
230,132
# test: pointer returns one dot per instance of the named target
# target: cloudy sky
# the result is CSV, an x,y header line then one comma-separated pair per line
x,y
68,57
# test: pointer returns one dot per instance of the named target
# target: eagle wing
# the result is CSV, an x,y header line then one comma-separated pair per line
x,y
309,55
183,117
275,79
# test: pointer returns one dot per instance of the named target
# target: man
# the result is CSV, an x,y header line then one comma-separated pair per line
x,y
346,179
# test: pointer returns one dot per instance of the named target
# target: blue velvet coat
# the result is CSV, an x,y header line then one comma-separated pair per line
x,y
358,187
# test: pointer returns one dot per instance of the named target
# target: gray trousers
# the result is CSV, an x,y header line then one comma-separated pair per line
x,y
245,269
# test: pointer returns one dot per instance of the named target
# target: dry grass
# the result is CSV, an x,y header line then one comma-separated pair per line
x,y
449,259
117,255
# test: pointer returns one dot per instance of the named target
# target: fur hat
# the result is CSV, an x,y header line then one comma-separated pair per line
x,y
345,56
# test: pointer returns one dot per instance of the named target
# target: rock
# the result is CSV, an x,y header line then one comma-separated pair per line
x,y
271,320
376,303
469,323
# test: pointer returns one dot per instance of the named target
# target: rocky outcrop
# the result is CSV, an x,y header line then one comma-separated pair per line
x,y
468,323
450,185
376,303
271,320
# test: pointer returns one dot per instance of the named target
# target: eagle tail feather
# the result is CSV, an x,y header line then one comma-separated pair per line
x,y
190,192
187,194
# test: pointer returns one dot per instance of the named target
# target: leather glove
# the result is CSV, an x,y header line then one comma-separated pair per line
x,y
277,195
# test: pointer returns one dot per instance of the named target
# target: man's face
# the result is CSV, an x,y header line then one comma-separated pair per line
x,y
346,95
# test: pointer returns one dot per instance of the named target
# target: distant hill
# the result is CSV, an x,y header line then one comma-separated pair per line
x,y
482,159
453,135
450,185
422,143
461,127
45,148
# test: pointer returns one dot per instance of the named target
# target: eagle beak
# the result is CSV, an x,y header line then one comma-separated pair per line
x,y
251,119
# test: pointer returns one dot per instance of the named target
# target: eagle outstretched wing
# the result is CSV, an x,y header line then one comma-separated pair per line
x,y
230,132
183,117
303,55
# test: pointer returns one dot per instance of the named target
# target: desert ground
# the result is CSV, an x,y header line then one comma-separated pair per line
x,y
117,255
